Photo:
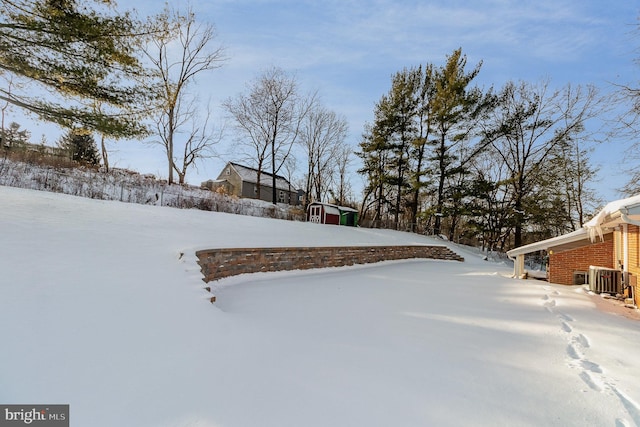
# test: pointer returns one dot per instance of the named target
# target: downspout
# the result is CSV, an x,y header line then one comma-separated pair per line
x,y
625,248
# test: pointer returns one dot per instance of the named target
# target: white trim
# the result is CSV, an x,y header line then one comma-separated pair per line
x,y
613,214
574,236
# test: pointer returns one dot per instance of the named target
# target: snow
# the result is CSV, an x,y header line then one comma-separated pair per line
x,y
131,187
595,224
102,307
611,208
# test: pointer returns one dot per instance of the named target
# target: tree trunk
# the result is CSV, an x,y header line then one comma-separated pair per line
x,y
416,192
258,178
105,155
273,172
517,232
438,220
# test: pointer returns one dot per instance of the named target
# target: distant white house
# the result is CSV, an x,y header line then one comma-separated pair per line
x,y
242,181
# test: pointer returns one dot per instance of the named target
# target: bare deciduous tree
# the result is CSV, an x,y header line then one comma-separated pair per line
x,y
178,55
323,133
342,184
198,143
626,127
268,119
531,122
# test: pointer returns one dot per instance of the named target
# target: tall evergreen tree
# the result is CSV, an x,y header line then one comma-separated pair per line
x,y
374,154
398,111
424,97
422,129
456,107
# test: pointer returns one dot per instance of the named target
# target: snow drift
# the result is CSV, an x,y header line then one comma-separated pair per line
x,y
102,307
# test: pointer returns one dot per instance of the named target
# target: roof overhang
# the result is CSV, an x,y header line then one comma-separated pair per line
x,y
624,211
577,236
332,209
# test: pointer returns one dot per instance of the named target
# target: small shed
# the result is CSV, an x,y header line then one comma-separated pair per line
x,y
323,213
327,213
348,216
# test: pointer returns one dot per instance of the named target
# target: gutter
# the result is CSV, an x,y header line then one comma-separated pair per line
x,y
624,216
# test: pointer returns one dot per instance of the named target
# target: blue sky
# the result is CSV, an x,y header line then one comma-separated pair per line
x,y
347,50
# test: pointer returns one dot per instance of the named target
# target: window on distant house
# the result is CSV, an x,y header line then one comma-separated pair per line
x,y
228,171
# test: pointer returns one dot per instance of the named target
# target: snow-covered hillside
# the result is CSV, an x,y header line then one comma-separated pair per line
x,y
98,309
131,187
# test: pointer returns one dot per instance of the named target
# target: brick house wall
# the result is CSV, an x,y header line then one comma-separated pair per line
x,y
563,263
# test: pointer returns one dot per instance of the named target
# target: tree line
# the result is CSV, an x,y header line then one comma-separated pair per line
x,y
496,166
117,76
500,166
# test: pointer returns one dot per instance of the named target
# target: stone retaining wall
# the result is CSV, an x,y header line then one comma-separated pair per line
x,y
220,263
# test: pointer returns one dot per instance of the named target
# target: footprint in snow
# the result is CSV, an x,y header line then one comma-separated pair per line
x,y
590,366
593,383
573,352
550,303
546,297
582,340
632,407
566,327
555,293
566,317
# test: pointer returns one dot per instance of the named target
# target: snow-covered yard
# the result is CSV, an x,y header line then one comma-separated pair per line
x,y
99,310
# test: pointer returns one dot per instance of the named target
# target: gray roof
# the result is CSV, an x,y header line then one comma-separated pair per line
x,y
248,174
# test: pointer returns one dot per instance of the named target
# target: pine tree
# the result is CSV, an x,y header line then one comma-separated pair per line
x,y
398,113
421,130
374,154
81,146
13,137
456,108
79,55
